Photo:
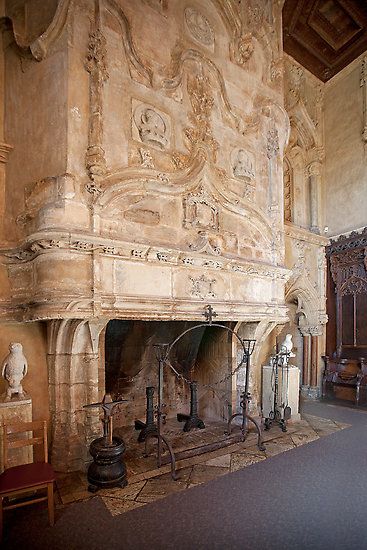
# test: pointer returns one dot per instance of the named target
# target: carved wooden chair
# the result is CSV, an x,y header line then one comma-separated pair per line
x,y
26,478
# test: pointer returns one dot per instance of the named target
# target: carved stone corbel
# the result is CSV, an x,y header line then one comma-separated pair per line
x,y
40,47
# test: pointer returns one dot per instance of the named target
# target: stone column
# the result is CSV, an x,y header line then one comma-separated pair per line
x,y
314,177
314,390
73,363
306,361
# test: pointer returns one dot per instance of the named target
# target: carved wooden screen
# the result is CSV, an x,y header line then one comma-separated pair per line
x,y
348,265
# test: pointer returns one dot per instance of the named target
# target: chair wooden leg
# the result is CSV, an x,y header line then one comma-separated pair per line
x,y
51,504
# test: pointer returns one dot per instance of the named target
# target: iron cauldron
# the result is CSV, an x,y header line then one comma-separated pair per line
x,y
108,468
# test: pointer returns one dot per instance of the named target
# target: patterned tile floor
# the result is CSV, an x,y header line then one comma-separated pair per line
x,y
147,483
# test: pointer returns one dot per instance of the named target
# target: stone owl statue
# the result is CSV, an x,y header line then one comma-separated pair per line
x,y
14,369
286,347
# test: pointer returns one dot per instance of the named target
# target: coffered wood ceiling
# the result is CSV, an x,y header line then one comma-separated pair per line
x,y
325,35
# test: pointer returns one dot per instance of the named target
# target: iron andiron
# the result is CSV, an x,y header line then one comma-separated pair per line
x,y
149,426
161,355
192,420
248,349
108,468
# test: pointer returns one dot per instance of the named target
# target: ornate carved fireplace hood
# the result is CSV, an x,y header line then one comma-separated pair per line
x,y
160,247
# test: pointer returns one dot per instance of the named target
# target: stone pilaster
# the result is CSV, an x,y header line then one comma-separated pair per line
x,y
4,153
73,363
314,175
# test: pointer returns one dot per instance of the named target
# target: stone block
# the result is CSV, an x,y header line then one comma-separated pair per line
x,y
11,412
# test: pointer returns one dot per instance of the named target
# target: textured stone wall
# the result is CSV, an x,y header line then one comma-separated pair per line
x,y
345,147
304,206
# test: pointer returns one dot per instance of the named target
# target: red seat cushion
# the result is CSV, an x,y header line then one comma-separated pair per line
x,y
26,475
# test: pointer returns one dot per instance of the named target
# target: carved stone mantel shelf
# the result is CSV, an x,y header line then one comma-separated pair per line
x,y
108,281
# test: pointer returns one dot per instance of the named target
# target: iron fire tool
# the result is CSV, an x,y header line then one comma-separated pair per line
x,y
108,468
248,349
161,355
192,420
149,426
281,412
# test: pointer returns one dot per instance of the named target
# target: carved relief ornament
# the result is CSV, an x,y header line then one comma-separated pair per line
x,y
179,57
349,272
272,144
202,103
146,158
199,27
152,126
202,287
288,192
243,49
200,211
243,164
95,64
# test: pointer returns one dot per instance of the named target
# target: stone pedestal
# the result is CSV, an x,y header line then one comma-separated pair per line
x,y
292,386
16,410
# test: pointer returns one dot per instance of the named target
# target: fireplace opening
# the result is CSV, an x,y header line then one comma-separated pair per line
x,y
205,355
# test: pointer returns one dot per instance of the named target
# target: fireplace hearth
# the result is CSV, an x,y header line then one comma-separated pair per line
x,y
203,350
203,355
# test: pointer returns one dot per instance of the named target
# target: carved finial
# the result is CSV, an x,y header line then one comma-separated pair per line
x,y
209,313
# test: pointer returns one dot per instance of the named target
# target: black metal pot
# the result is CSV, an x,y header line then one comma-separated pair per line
x,y
108,468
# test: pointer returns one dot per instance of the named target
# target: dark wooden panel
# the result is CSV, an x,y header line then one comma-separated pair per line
x,y
347,320
361,319
347,297
331,312
325,35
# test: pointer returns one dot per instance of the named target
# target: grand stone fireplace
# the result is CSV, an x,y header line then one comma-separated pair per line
x,y
164,194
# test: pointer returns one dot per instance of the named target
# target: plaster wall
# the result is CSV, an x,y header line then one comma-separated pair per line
x,y
345,151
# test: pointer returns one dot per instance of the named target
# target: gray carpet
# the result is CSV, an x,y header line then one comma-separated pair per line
x,y
314,496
